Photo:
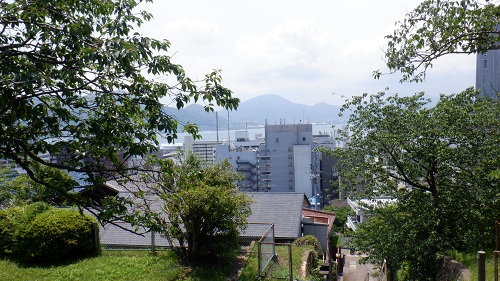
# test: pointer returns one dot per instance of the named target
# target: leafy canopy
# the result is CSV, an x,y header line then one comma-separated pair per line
x,y
439,27
78,84
18,190
197,206
438,162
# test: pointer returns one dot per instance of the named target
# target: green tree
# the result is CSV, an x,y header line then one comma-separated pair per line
x,y
439,27
436,161
78,83
199,206
22,190
341,214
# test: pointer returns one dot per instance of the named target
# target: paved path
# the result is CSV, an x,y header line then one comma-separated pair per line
x,y
353,271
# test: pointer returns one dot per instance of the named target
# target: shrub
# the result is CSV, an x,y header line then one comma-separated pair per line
x,y
14,219
309,241
57,235
33,210
9,220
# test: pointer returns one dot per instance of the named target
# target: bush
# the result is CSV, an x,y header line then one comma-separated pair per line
x,y
42,234
12,220
57,235
9,222
309,241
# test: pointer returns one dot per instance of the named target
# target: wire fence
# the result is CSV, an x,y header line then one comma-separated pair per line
x,y
281,265
267,250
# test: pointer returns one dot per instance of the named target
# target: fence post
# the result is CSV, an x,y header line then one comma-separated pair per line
x,y
153,242
259,256
495,266
481,266
290,263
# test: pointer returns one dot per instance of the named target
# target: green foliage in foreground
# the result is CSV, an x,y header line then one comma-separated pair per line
x,y
79,83
205,209
23,190
438,162
430,32
116,265
41,234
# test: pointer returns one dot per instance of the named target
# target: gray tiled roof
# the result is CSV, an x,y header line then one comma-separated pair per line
x,y
282,209
112,235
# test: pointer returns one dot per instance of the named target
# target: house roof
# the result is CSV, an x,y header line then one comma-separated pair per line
x,y
319,217
116,236
133,183
284,210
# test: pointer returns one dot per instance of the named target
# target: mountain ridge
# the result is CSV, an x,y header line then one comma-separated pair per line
x,y
258,111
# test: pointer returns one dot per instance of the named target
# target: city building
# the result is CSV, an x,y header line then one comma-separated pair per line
x,y
284,160
203,150
243,155
362,209
488,74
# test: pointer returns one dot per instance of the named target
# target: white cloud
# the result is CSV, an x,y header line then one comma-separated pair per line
x,y
302,50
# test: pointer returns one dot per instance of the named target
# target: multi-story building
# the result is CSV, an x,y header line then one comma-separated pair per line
x,y
243,154
488,74
203,150
286,161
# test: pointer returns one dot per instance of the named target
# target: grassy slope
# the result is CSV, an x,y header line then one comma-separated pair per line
x,y
114,265
470,261
250,271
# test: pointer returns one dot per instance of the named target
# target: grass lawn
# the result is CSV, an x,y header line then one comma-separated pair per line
x,y
470,260
116,265
280,268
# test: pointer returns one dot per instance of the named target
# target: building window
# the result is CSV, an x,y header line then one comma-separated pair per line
x,y
266,173
265,157
290,157
290,187
303,138
277,140
290,164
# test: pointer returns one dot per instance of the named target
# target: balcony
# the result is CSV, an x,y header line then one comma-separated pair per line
x,y
352,223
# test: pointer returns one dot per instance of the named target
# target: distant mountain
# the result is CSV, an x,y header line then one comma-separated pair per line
x,y
276,109
195,113
270,108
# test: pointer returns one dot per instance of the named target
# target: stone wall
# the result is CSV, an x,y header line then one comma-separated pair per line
x,y
452,270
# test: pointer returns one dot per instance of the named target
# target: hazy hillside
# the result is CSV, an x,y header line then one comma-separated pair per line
x,y
274,108
271,108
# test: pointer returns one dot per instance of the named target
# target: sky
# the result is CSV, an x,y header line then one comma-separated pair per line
x,y
305,51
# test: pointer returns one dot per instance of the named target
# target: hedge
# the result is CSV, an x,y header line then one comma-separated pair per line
x,y
47,235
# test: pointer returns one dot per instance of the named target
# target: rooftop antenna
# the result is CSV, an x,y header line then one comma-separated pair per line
x,y
217,125
228,134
